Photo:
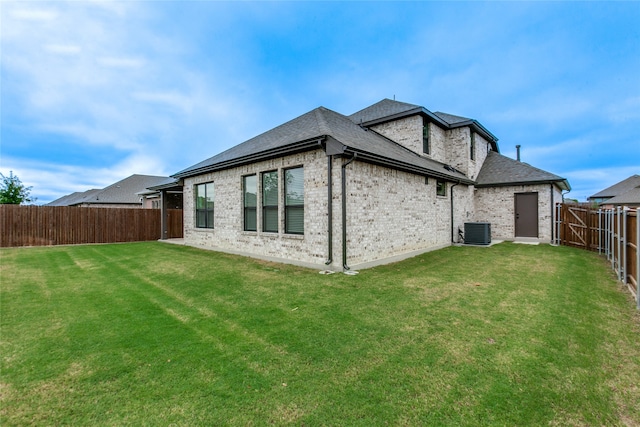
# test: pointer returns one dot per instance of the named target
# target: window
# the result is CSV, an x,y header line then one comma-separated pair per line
x,y
294,201
425,137
250,200
472,154
270,202
204,205
441,188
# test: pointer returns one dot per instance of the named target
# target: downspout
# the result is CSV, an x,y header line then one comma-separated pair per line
x,y
330,211
451,195
552,211
344,211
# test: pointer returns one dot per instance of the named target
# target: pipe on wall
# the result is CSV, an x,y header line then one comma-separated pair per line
x,y
344,211
330,210
452,224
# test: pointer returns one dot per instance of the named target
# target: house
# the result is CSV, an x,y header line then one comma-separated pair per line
x,y
337,192
131,192
623,193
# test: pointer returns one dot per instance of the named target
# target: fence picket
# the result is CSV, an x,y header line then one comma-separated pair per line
x,y
614,233
64,225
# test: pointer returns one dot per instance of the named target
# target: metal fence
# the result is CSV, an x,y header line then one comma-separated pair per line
x,y
614,233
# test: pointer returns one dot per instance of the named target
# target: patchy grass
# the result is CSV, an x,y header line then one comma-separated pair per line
x,y
155,334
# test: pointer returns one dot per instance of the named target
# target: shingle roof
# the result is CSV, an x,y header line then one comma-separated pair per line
x,y
619,188
498,170
73,198
305,132
630,197
121,192
384,108
452,119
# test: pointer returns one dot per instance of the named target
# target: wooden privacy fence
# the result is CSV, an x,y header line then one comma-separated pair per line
x,y
69,225
614,233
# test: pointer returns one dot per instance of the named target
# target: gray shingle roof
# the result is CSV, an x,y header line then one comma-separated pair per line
x,y
498,170
73,198
303,132
630,197
384,108
451,119
121,192
619,188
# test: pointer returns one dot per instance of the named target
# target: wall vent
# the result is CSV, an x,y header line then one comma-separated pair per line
x,y
477,233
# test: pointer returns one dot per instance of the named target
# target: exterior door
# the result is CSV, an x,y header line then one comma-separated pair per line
x,y
526,212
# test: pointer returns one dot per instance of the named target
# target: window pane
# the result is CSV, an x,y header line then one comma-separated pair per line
x,y
270,188
270,219
294,186
425,137
204,205
441,188
200,196
250,189
201,218
250,219
294,220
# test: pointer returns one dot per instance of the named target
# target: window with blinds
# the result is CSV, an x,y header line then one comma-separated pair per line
x,y
250,202
270,202
294,201
204,205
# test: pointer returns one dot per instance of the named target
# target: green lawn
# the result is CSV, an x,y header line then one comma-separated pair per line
x,y
156,334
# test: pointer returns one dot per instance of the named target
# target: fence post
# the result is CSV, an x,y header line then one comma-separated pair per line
x,y
623,237
638,258
599,231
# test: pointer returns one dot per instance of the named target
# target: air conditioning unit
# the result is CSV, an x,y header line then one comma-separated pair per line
x,y
477,233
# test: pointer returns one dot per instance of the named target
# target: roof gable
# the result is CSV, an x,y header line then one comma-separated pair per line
x,y
498,170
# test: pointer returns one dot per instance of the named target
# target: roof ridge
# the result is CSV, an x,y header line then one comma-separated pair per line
x,y
322,121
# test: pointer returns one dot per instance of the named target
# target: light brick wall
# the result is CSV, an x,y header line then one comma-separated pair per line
x,y
228,233
452,147
406,132
389,213
497,206
392,213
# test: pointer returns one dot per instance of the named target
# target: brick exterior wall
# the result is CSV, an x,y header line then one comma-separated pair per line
x,y
497,206
452,147
228,233
389,213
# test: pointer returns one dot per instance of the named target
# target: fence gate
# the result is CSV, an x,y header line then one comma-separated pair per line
x,y
614,233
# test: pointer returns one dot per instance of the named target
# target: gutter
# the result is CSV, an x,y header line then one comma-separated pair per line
x,y
344,211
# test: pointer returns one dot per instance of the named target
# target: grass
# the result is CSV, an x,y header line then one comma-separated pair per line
x,y
156,334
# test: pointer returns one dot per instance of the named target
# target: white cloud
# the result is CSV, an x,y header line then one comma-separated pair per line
x,y
113,62
33,14
63,49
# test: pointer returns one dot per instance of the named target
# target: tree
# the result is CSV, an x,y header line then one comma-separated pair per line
x,y
13,192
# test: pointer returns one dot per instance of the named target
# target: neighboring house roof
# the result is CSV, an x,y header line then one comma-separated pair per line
x,y
73,198
387,110
619,188
498,170
121,192
631,197
341,135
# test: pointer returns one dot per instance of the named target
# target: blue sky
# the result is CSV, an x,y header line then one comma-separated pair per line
x,y
92,92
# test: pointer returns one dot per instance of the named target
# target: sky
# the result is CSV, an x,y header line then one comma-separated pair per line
x,y
92,92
